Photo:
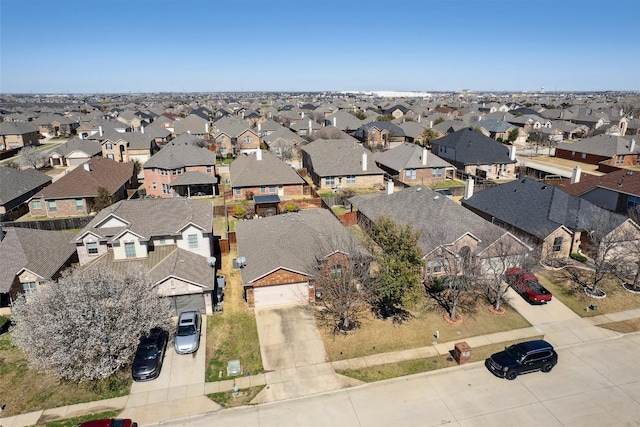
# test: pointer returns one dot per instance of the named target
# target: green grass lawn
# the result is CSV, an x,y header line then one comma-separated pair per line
x,y
232,336
226,399
25,390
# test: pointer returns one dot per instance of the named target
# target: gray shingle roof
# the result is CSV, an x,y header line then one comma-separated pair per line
x,y
537,208
394,130
15,182
409,156
179,153
293,241
337,157
493,125
42,252
90,147
193,178
17,128
424,209
153,217
472,148
601,145
247,171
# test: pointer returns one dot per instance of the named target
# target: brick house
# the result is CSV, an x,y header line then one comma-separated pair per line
x,y
611,150
282,254
261,173
337,163
181,169
18,134
234,136
56,125
74,194
380,134
412,164
17,187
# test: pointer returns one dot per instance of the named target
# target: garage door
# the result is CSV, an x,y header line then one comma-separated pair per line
x,y
269,296
187,302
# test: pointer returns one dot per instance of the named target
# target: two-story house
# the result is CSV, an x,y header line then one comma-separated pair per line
x,y
181,169
412,164
171,239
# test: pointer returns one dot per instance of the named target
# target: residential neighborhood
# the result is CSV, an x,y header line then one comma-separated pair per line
x,y
313,238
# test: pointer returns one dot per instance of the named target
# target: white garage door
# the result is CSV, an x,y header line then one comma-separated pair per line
x,y
269,296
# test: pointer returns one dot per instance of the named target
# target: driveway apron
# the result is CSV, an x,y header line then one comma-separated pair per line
x,y
293,355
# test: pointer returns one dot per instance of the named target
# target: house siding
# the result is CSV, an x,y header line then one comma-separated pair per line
x,y
290,190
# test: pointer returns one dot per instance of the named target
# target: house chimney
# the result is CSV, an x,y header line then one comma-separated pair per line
x,y
100,130
206,127
419,117
632,146
512,152
259,127
334,121
364,162
468,188
424,156
430,124
302,114
141,129
575,176
389,187
310,126
259,154
87,166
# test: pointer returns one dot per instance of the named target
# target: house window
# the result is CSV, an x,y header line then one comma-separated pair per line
x,y
164,172
336,272
237,191
174,172
584,155
223,151
52,206
620,160
633,201
410,174
248,139
130,249
193,241
92,248
263,190
36,204
29,288
110,156
154,185
79,204
208,169
434,267
272,189
557,244
351,179
436,173
108,146
573,154
330,180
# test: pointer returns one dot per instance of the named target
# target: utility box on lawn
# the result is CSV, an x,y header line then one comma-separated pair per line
x,y
462,352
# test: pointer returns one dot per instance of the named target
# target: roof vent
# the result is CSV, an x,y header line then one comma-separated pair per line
x,y
436,197
524,180
544,187
418,188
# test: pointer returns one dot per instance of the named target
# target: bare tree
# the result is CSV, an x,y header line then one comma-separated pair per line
x,y
507,251
86,325
31,157
328,132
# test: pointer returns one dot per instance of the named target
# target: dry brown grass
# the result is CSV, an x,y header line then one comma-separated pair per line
x,y
381,336
624,327
617,299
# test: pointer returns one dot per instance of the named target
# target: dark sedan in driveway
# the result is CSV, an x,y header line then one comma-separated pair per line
x,y
147,362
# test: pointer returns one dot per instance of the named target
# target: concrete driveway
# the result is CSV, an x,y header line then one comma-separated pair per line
x,y
293,355
178,390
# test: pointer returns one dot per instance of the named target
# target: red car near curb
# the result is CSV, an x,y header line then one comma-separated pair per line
x,y
109,422
526,284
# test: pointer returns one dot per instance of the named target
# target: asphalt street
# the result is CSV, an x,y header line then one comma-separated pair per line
x,y
594,384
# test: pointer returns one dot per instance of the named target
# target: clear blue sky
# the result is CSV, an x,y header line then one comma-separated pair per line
x,y
50,46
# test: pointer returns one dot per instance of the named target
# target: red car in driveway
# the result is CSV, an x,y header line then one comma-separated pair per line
x,y
526,284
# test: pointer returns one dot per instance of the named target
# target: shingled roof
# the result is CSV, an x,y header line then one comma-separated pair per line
x,y
409,156
337,157
602,145
152,217
81,182
537,208
247,171
42,252
293,241
179,153
471,148
15,182
90,147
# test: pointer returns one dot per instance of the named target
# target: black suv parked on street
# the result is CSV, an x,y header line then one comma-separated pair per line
x,y
522,358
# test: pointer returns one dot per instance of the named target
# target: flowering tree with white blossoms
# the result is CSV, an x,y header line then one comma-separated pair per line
x,y
86,325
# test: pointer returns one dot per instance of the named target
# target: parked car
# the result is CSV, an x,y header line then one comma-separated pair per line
x,y
522,358
527,285
187,339
147,362
109,422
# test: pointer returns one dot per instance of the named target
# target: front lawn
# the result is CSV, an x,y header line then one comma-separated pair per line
x,y
227,399
381,336
25,390
617,299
